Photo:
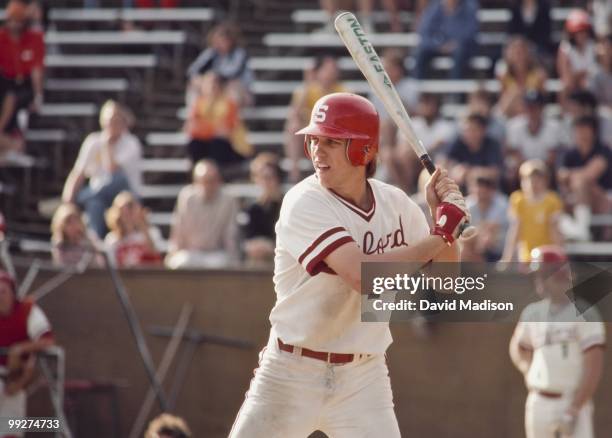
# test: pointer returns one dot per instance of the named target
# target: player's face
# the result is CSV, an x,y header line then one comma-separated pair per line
x,y
329,160
6,298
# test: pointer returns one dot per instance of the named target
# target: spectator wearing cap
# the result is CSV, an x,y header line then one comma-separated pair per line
x,y
533,212
24,331
585,174
22,53
518,73
323,78
204,231
258,220
533,135
449,28
228,59
472,150
488,209
432,129
531,19
108,163
576,60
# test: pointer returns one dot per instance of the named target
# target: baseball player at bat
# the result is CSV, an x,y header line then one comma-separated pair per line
x,y
324,369
559,351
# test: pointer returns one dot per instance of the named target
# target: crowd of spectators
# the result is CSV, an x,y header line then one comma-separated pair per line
x,y
515,148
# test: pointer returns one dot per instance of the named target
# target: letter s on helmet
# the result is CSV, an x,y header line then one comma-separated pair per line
x,y
346,116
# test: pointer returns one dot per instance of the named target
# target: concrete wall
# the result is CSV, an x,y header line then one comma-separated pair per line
x,y
458,382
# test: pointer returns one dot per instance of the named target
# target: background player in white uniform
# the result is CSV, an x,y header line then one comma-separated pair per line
x,y
559,352
323,368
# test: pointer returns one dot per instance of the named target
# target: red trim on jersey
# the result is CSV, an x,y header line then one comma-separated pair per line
x,y
317,264
318,241
366,215
590,347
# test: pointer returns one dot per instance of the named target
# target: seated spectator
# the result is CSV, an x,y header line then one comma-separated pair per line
x,y
258,220
480,101
533,135
407,88
531,19
110,160
450,28
518,74
488,209
214,126
24,331
167,426
472,150
322,79
22,54
432,129
576,55
534,213
204,229
584,103
601,82
131,241
365,14
71,240
228,59
586,173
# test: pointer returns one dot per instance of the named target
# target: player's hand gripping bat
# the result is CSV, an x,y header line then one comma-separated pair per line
x,y
369,63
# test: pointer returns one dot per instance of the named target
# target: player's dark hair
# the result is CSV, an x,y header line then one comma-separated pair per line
x,y
371,168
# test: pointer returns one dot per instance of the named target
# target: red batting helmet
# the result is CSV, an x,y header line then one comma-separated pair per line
x,y
577,20
346,116
6,278
552,255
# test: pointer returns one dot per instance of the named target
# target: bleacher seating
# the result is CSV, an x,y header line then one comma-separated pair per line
x,y
91,60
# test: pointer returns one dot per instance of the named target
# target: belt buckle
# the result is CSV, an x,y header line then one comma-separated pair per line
x,y
329,356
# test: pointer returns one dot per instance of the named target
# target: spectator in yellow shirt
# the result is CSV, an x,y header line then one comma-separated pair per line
x,y
534,213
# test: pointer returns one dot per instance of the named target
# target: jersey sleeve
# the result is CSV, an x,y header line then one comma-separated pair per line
x,y
523,335
309,230
592,334
38,324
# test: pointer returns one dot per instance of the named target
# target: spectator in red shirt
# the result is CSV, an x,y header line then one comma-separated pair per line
x,y
22,53
24,331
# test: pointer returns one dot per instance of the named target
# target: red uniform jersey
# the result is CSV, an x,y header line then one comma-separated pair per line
x,y
19,57
18,326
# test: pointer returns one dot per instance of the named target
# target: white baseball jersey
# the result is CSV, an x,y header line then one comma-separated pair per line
x,y
558,340
315,308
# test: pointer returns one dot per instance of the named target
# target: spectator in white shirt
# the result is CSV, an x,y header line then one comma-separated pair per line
x,y
110,161
533,135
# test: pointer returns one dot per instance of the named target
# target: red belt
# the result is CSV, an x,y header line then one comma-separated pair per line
x,y
549,394
320,355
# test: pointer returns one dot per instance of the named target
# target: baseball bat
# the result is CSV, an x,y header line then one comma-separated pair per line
x,y
364,55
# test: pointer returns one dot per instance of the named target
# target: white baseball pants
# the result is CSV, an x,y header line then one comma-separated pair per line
x,y
543,416
291,396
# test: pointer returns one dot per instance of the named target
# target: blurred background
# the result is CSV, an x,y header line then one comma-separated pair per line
x,y
154,139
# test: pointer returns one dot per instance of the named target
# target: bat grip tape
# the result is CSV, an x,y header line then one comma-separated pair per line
x,y
427,163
